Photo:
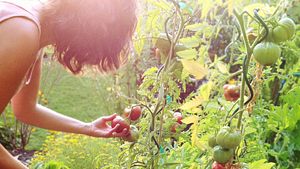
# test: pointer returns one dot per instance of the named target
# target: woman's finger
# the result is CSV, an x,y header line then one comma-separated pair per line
x,y
114,128
124,133
109,118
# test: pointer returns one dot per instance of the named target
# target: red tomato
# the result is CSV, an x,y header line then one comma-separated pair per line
x,y
135,113
122,122
174,127
178,116
231,92
217,165
126,112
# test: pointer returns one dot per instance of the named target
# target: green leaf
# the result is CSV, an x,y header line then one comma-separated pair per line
x,y
205,90
192,103
187,54
230,6
194,68
150,71
261,164
206,7
199,27
222,68
190,119
190,42
139,44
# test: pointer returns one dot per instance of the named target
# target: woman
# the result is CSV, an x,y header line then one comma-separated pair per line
x,y
83,32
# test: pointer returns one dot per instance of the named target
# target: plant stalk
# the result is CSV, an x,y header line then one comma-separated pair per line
x,y
249,51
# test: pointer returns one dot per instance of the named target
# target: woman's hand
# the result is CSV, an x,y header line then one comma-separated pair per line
x,y
100,128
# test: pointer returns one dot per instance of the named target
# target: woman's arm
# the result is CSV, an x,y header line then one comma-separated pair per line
x,y
6,160
28,111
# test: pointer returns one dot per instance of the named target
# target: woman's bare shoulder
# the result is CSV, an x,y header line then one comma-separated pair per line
x,y
19,44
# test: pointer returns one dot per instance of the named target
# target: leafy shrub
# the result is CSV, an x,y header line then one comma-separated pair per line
x,y
50,165
14,134
77,151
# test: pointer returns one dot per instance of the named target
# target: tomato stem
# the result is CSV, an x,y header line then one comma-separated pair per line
x,y
249,51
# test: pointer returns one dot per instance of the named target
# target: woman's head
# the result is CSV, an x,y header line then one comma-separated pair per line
x,y
90,32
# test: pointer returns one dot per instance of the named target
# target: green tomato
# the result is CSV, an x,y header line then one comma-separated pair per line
x,y
222,155
134,132
297,39
297,42
228,138
266,53
212,141
284,31
133,135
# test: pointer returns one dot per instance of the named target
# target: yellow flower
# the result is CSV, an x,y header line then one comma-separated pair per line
x,y
232,81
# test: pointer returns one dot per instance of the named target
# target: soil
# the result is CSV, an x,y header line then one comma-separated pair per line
x,y
23,155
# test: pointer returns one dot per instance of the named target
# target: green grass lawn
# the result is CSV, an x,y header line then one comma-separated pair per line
x,y
80,97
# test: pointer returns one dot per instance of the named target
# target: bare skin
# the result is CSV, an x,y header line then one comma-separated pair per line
x,y
18,49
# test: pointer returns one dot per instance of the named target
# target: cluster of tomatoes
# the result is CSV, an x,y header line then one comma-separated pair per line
x,y
130,114
224,144
267,52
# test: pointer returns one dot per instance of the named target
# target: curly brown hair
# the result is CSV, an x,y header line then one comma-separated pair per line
x,y
91,32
